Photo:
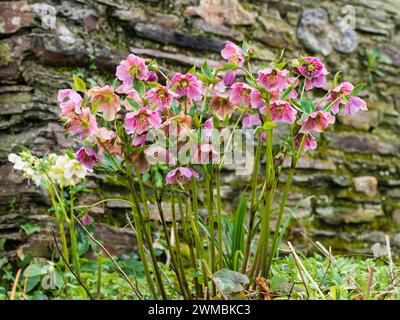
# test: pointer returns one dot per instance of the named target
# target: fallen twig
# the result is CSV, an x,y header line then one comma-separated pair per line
x,y
121,272
14,289
305,271
69,268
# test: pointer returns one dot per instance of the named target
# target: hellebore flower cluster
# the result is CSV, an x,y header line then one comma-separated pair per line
x,y
176,135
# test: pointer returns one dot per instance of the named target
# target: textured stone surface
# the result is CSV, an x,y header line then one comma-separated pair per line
x,y
319,35
93,36
367,185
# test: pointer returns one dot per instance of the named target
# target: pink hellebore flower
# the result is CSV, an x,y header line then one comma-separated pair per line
x,y
131,94
70,94
178,126
314,71
139,140
108,101
257,102
84,125
181,174
70,110
337,94
316,121
309,144
86,219
107,140
152,77
282,111
139,121
140,160
273,78
251,120
240,94
204,153
233,53
87,156
221,105
226,81
70,103
159,155
208,128
132,68
354,106
262,136
161,97
186,85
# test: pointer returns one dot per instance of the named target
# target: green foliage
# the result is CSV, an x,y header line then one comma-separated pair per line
x,y
30,228
374,59
229,281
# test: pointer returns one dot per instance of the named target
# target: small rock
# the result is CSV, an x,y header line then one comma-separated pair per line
x,y
15,15
310,163
367,185
396,216
318,34
363,120
228,12
392,52
176,37
349,215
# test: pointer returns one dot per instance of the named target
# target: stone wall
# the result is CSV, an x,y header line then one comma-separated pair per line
x,y
354,175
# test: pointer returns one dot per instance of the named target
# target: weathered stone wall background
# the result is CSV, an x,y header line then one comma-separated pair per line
x,y
354,175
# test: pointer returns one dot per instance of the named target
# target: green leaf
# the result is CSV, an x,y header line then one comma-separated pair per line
x,y
196,120
192,70
229,281
245,46
206,70
269,125
114,83
287,91
133,103
95,105
228,66
307,105
32,283
36,270
79,84
336,79
140,87
357,89
238,231
295,63
2,243
280,65
30,228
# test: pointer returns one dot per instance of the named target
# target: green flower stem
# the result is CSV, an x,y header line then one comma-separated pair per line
x,y
147,230
178,270
99,271
188,237
219,215
199,247
63,237
138,229
189,240
209,199
282,207
175,227
262,247
253,208
73,236
192,244
195,203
